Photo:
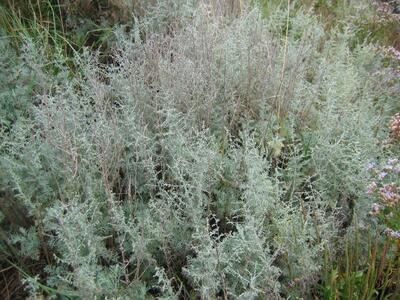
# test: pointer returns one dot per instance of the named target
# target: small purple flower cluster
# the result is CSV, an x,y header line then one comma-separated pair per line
x,y
393,234
389,194
385,187
376,209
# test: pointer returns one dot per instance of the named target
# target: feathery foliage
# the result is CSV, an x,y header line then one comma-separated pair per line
x,y
219,153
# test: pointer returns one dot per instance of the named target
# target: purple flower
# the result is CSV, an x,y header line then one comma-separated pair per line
x,y
392,233
396,234
392,161
370,166
382,175
388,194
376,209
396,169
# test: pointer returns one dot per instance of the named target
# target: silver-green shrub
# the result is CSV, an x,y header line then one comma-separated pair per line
x,y
217,160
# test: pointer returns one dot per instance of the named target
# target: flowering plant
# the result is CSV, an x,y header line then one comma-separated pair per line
x,y
385,189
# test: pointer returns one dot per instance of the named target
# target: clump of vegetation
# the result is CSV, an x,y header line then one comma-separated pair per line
x,y
218,152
